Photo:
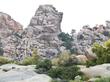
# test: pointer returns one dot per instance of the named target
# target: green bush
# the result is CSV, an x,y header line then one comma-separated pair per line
x,y
64,59
31,60
91,63
55,72
67,73
4,60
43,66
102,52
67,41
28,61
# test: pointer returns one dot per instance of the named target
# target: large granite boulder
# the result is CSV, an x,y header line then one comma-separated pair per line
x,y
42,33
96,71
17,73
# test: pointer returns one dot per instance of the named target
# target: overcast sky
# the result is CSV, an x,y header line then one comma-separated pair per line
x,y
76,12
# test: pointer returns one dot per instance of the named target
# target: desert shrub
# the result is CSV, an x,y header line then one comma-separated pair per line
x,y
67,73
31,60
102,52
55,61
64,59
28,61
43,66
91,63
4,60
55,72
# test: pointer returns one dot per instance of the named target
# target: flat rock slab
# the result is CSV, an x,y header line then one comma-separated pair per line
x,y
9,67
16,76
38,78
98,70
21,74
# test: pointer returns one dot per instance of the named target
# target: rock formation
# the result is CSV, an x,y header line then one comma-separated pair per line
x,y
10,31
42,33
85,38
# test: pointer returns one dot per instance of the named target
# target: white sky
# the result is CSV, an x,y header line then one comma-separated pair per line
x,y
76,12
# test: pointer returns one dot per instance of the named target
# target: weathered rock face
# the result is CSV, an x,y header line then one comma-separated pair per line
x,y
8,25
42,32
17,73
87,36
10,31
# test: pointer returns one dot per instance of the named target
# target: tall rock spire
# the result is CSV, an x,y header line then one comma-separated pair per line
x,y
42,32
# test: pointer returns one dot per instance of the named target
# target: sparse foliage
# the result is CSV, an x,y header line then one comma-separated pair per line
x,y
31,60
102,52
64,59
67,41
4,60
67,73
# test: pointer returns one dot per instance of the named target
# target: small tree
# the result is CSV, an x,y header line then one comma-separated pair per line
x,y
67,40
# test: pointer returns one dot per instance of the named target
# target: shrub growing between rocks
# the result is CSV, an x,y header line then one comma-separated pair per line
x,y
102,52
43,66
4,60
67,41
64,59
67,73
31,60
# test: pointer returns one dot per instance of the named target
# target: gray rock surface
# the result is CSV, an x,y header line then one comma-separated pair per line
x,y
17,73
96,71
84,39
42,33
10,34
